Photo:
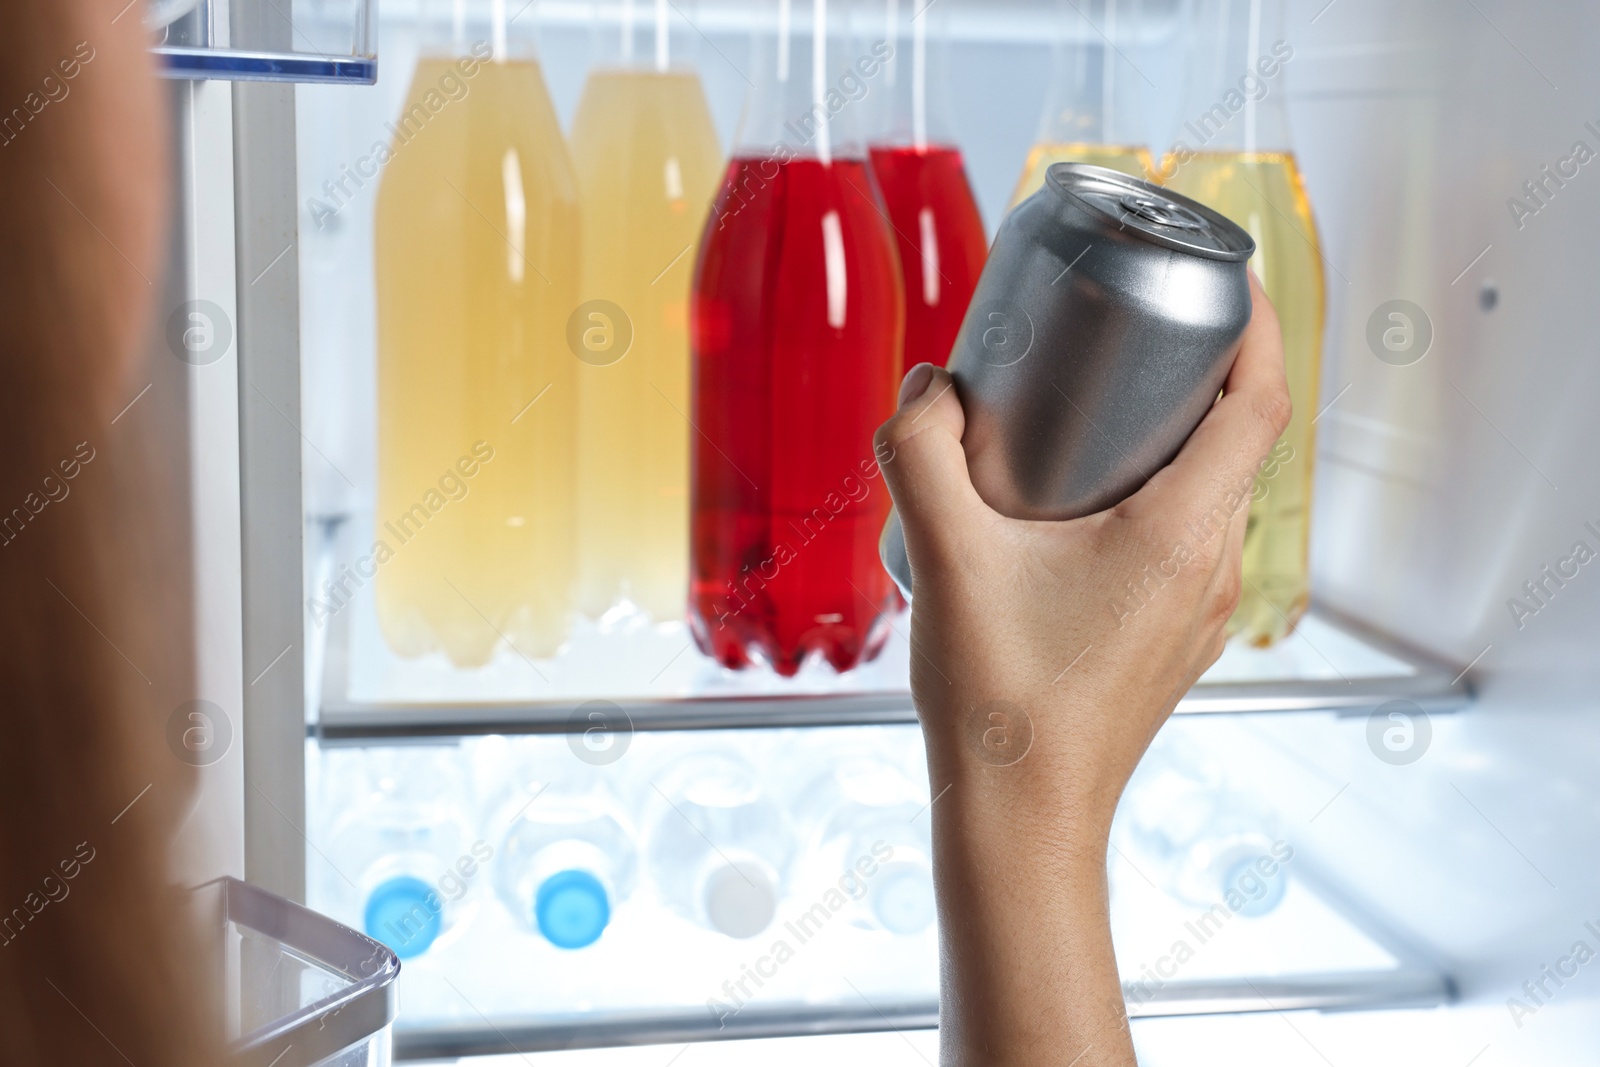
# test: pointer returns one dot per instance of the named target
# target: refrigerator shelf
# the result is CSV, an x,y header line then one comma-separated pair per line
x,y
360,722
490,986
643,677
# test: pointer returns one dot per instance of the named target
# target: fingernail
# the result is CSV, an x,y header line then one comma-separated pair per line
x,y
915,383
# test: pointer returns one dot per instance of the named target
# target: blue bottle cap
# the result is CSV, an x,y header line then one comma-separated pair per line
x,y
572,909
404,913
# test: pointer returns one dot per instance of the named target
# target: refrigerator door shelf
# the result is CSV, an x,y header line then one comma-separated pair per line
x,y
303,991
224,64
326,41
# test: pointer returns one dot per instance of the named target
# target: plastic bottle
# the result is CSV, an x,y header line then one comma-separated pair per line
x,y
869,834
567,860
402,862
1092,110
648,163
1238,158
938,231
718,846
477,260
1203,840
796,321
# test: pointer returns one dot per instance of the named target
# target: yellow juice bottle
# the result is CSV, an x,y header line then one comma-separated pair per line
x,y
648,163
477,246
1263,192
1129,159
1091,112
1235,157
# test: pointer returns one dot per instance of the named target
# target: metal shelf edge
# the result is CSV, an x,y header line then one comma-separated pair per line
x,y
1403,988
608,1031
344,721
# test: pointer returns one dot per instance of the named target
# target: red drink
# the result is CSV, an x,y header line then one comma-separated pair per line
x,y
941,243
796,321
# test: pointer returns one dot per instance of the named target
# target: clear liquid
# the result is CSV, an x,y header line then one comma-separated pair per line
x,y
1129,159
477,266
648,163
1263,192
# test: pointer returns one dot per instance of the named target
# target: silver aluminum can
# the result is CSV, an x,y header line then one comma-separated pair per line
x,y
1100,333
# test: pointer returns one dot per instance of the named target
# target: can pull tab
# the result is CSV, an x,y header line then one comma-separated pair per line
x,y
1162,212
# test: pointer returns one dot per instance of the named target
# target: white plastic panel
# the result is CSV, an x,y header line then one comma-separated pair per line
x,y
211,843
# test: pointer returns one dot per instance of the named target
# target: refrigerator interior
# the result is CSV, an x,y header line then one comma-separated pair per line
x,y
1443,486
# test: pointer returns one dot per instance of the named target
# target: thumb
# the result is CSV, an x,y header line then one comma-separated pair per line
x,y
919,451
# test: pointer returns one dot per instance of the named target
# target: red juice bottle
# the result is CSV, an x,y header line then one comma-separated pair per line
x,y
941,243
796,317
938,230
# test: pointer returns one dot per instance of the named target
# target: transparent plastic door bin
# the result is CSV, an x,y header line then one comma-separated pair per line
x,y
266,40
300,989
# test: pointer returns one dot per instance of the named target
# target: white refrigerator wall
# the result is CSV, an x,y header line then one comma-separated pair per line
x,y
1445,485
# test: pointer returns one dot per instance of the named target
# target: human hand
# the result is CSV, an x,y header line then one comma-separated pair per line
x,y
1094,627
1045,656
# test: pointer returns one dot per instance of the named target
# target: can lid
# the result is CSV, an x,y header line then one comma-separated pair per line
x,y
1156,214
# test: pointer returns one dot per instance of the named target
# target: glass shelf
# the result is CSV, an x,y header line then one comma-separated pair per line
x,y
651,677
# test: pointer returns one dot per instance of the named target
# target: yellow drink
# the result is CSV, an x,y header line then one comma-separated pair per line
x,y
1129,159
477,265
1263,193
648,163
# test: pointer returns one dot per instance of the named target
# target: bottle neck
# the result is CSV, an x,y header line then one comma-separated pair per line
x,y
1094,95
496,30
647,36
1235,95
808,84
911,106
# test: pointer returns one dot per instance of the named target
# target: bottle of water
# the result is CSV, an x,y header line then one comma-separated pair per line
x,y
402,862
567,859
870,837
1203,840
718,846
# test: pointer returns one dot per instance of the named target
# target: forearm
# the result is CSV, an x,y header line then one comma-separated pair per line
x,y
1028,975
1037,702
